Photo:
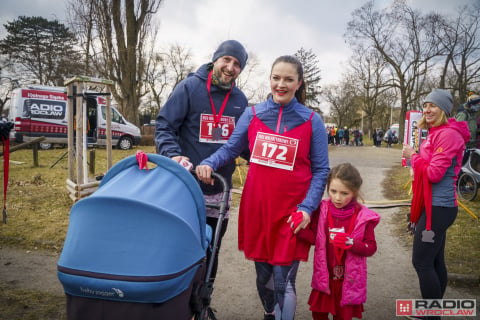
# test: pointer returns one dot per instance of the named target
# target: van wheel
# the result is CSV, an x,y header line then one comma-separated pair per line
x,y
125,143
45,146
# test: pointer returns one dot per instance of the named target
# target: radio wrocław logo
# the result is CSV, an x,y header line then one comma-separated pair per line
x,y
437,307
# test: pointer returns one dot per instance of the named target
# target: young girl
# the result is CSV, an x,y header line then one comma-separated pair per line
x,y
344,239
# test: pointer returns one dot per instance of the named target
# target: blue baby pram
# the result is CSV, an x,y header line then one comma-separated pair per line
x,y
136,248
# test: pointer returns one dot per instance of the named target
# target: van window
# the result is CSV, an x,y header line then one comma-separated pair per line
x,y
116,117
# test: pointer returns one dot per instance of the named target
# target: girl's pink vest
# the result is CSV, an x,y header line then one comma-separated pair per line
x,y
354,290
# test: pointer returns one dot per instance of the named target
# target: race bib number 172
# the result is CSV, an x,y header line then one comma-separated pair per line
x,y
274,151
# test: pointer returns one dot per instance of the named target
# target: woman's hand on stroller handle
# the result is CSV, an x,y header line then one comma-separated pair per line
x,y
204,174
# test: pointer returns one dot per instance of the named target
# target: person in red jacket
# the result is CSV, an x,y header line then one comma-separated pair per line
x,y
434,204
343,234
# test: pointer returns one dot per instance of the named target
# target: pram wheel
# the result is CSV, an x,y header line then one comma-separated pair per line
x,y
467,186
206,314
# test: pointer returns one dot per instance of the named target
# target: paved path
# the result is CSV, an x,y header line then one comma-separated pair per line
x,y
32,270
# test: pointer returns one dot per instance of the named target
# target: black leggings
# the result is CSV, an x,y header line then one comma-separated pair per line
x,y
429,258
212,222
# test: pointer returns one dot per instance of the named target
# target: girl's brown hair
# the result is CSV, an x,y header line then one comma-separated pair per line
x,y
348,174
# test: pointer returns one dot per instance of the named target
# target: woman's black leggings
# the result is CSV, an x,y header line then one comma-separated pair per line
x,y
429,258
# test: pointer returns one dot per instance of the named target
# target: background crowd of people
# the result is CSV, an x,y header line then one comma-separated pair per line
x,y
344,136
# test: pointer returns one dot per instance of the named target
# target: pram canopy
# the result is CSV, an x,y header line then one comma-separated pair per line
x,y
139,238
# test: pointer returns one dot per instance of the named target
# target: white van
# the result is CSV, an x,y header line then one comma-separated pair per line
x,y
42,111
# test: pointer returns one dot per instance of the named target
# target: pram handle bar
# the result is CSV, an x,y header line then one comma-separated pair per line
x,y
222,206
206,289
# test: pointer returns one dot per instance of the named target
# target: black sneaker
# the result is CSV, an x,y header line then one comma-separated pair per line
x,y
269,317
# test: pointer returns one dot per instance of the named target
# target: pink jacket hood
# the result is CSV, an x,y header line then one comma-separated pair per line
x,y
461,127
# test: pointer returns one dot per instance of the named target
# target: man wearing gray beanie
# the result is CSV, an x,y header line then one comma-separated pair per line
x,y
199,117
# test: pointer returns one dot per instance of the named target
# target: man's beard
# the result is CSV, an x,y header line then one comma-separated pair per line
x,y
222,85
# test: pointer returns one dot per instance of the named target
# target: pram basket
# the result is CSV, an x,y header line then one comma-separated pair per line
x,y
136,248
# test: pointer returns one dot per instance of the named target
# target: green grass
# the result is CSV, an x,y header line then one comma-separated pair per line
x,y
462,251
20,304
38,203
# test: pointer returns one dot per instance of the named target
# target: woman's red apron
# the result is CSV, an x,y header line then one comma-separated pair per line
x,y
270,196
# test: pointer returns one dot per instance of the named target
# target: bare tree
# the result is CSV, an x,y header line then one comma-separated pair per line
x,y
344,108
369,79
402,36
115,35
162,73
80,17
7,84
157,80
254,91
179,61
461,39
11,77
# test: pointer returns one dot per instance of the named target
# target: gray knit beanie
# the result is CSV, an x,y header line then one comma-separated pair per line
x,y
232,48
442,98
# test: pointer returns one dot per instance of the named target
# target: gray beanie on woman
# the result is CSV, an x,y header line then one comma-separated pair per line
x,y
442,98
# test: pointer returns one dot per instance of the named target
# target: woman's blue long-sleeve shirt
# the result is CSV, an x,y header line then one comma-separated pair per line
x,y
293,114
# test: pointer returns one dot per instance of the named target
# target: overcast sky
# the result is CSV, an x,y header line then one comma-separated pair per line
x,y
267,28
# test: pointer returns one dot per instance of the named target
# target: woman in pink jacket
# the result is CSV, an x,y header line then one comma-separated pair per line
x,y
344,237
434,204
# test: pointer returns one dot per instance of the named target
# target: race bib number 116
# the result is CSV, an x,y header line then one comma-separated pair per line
x,y
211,133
